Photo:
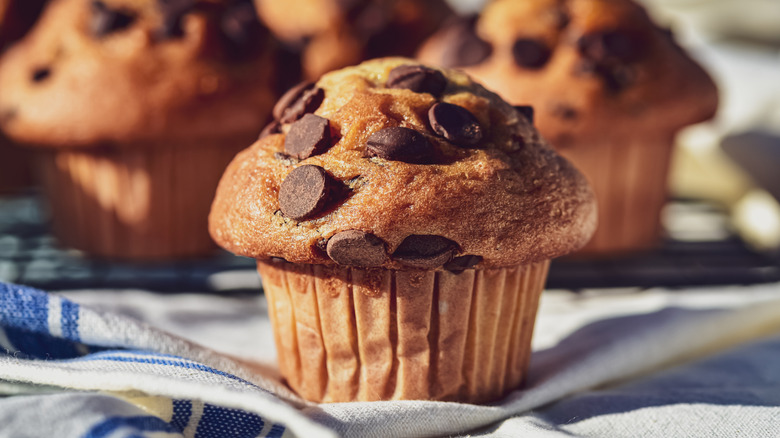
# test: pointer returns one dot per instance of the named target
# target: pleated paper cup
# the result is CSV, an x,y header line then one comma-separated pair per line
x,y
347,334
140,203
629,178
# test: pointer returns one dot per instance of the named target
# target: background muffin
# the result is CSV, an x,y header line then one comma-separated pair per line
x,y
610,90
403,219
137,107
330,34
16,18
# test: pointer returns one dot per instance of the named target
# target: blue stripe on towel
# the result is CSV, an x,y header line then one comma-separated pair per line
x,y
137,424
23,308
69,319
218,422
182,411
138,356
276,431
24,316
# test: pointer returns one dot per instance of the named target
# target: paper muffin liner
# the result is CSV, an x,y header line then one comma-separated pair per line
x,y
629,178
138,202
346,334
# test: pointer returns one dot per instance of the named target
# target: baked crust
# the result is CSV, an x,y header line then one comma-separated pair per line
x,y
659,88
510,200
133,84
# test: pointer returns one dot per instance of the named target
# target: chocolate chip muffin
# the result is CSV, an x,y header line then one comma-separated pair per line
x,y
403,219
323,35
137,107
16,18
610,88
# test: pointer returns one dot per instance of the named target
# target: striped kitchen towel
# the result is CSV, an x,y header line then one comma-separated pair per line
x,y
149,382
73,370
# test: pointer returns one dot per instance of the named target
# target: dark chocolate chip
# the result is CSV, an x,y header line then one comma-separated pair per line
x,y
305,191
526,111
242,29
302,99
173,11
425,251
308,136
564,112
615,46
460,264
417,78
400,144
455,124
357,248
106,20
562,20
272,128
463,46
41,74
615,75
530,53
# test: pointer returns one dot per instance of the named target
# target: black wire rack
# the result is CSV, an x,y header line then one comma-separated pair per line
x,y
29,255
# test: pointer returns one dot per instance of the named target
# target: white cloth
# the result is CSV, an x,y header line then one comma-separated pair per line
x,y
651,363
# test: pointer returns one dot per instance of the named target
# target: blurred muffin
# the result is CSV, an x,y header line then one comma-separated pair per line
x,y
610,90
403,219
330,34
137,107
16,18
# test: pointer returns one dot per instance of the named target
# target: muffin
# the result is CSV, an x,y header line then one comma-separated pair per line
x,y
136,108
403,219
16,18
323,35
610,89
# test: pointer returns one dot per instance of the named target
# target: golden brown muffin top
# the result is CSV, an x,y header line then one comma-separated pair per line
x,y
331,34
392,164
127,71
589,67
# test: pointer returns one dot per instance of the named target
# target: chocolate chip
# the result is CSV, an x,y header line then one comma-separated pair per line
x,y
561,19
417,78
425,251
41,74
615,46
242,29
302,99
564,112
530,53
455,124
272,128
357,248
460,264
308,136
616,76
305,191
172,12
463,46
526,111
400,144
106,20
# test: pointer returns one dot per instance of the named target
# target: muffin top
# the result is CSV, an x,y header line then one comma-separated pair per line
x,y
331,34
128,71
589,67
392,164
